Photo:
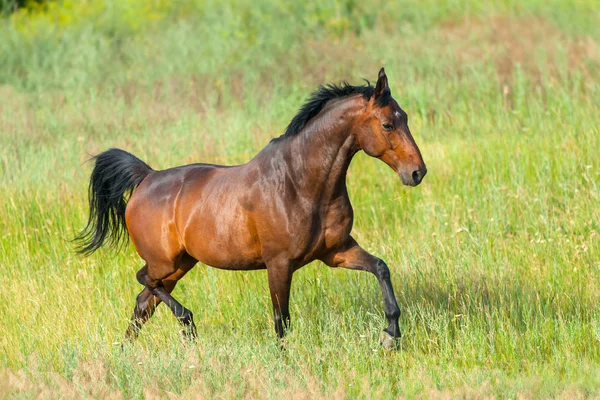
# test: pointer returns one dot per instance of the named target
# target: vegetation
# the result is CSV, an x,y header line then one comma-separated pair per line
x,y
495,257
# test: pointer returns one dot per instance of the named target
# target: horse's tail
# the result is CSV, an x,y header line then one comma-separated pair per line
x,y
115,175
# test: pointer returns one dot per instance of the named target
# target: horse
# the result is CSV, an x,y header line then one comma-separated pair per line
x,y
286,207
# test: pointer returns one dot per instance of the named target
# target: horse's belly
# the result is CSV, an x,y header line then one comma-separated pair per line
x,y
225,258
226,242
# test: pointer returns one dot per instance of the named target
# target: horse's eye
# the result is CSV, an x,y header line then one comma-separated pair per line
x,y
388,127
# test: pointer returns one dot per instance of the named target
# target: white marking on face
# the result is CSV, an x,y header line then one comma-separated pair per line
x,y
397,114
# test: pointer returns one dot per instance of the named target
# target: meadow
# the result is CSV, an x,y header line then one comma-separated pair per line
x,y
495,257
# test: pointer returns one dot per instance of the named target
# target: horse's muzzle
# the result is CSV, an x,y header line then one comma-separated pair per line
x,y
415,177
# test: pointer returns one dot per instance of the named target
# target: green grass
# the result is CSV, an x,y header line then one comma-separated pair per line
x,y
495,258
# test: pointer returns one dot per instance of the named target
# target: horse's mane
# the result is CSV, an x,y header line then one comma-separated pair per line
x,y
319,98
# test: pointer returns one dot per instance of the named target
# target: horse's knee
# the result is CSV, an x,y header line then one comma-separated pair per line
x,y
381,270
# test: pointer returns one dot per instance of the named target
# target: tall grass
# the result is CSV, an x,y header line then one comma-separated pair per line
x,y
495,257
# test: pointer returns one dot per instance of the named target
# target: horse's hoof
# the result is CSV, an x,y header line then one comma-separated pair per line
x,y
388,342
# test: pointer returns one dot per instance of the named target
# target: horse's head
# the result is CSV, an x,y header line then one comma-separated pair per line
x,y
382,132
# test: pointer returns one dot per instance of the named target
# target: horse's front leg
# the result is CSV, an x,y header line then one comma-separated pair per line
x,y
280,282
352,256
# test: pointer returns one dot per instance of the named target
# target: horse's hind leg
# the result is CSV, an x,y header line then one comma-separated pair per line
x,y
147,302
157,287
144,309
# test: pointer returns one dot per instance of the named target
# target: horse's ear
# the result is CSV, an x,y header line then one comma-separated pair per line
x,y
382,87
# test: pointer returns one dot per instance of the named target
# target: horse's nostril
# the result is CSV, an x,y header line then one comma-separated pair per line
x,y
416,175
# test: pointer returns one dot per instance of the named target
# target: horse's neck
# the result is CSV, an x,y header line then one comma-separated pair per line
x,y
319,155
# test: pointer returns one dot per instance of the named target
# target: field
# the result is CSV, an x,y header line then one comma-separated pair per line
x,y
495,257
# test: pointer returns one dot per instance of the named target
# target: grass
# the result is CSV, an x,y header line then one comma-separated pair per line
x,y
495,258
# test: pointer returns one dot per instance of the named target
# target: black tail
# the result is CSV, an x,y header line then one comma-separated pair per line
x,y
115,176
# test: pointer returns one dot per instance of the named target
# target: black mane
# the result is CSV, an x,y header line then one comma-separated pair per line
x,y
319,98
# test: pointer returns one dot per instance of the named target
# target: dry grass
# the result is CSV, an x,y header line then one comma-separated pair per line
x,y
534,44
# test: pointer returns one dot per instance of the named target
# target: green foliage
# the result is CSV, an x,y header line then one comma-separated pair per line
x,y
495,257
10,6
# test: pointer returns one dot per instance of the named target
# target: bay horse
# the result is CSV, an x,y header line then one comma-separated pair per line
x,y
286,207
